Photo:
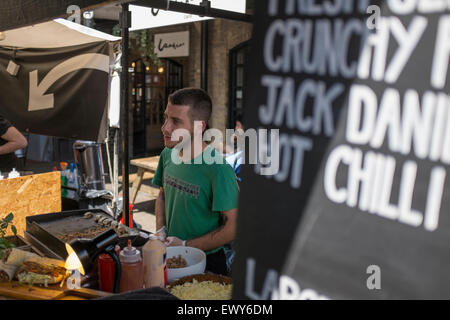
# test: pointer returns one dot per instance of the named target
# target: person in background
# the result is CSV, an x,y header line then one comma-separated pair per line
x,y
197,203
10,140
235,157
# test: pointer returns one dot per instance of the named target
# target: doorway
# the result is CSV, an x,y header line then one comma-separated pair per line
x,y
152,86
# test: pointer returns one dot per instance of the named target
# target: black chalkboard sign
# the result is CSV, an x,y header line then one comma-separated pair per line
x,y
357,205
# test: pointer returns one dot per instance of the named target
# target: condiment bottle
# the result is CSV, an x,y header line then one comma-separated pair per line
x,y
13,174
63,166
154,256
106,271
132,269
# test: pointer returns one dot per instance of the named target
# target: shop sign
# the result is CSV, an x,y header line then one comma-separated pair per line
x,y
175,44
360,93
147,18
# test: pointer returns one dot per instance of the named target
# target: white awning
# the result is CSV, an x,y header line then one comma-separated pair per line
x,y
144,18
54,34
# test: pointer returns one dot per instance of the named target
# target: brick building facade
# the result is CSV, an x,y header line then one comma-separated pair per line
x,y
223,36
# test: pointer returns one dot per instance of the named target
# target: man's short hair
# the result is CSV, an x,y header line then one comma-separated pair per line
x,y
197,99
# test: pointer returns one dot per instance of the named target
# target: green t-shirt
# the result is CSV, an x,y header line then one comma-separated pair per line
x,y
195,194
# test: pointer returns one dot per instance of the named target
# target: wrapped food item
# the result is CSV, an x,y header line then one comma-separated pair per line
x,y
39,270
7,272
12,259
15,257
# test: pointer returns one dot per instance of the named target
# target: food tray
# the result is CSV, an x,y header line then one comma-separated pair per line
x,y
52,230
202,277
192,293
22,244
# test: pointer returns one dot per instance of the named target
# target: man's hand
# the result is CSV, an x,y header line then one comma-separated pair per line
x,y
162,233
173,242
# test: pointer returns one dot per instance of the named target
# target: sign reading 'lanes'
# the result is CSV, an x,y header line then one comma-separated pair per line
x,y
175,44
367,111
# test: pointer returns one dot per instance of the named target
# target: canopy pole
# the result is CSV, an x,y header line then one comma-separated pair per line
x,y
125,23
204,43
116,171
204,56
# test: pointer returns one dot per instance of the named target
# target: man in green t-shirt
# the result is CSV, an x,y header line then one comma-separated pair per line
x,y
197,203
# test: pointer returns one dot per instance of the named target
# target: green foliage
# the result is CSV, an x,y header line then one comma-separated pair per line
x,y
4,224
146,47
145,44
116,30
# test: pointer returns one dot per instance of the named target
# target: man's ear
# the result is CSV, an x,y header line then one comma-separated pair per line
x,y
203,124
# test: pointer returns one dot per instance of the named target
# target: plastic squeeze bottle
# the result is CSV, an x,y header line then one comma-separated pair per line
x,y
106,270
132,272
154,256
71,182
63,166
13,174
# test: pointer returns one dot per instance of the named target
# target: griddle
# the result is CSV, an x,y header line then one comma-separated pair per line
x,y
43,230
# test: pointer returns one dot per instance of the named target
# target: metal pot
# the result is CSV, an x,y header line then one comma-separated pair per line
x,y
88,156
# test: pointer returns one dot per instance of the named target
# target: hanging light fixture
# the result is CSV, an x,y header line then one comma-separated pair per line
x,y
83,252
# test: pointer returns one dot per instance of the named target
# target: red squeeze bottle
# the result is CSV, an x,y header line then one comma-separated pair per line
x,y
106,271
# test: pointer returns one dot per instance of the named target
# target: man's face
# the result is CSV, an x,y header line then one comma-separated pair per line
x,y
176,117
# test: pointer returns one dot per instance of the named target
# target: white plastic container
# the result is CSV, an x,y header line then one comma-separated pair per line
x,y
154,261
13,174
195,260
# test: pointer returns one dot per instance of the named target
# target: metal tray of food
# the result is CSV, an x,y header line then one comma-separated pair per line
x,y
54,230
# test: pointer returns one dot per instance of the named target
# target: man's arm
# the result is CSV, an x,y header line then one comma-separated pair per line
x,y
15,141
160,211
215,239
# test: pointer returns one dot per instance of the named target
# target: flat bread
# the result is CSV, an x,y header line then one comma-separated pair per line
x,y
39,270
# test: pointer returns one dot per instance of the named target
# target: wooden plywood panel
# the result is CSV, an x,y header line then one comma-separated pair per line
x,y
29,196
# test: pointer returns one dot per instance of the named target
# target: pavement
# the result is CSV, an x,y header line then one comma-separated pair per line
x,y
144,205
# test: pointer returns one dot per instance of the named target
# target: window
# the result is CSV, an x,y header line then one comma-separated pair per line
x,y
238,59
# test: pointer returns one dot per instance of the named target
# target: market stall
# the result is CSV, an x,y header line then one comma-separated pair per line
x,y
82,245
57,77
